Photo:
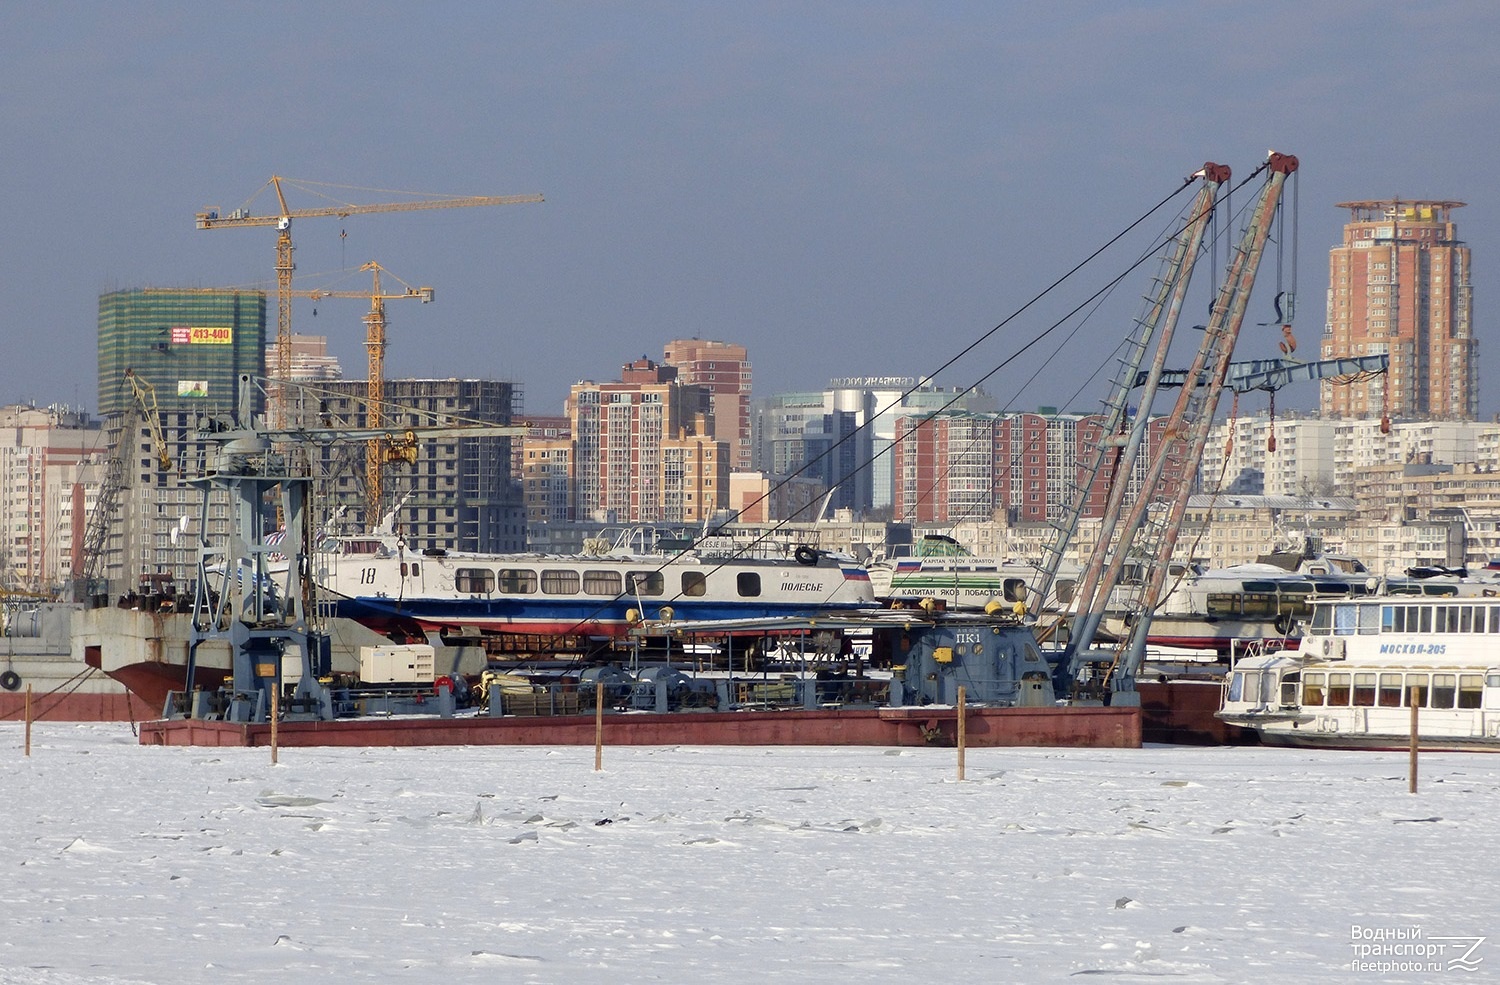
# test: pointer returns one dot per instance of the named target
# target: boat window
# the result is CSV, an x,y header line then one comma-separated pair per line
x,y
1014,590
1392,619
1424,624
1417,686
517,581
694,584
1236,686
1223,604
1439,589
1466,619
1299,606
1322,620
1289,682
1312,688
602,583
1444,691
1470,690
747,584
1338,690
474,581
1494,618
559,581
1440,619
647,582
1252,685
1369,620
1259,603
1344,618
1390,691
1364,690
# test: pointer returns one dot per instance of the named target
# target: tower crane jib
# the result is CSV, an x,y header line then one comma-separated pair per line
x,y
282,220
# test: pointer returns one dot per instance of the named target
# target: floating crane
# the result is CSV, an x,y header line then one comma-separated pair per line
x,y
282,220
1146,533
375,344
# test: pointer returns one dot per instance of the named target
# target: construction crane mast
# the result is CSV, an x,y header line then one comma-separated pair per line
x,y
282,220
375,342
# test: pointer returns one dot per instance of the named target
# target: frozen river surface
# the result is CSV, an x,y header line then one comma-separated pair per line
x,y
128,864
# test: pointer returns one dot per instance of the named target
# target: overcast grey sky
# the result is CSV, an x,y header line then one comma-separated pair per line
x,y
844,188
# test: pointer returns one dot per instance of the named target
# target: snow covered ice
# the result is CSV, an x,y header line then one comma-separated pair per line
x,y
129,864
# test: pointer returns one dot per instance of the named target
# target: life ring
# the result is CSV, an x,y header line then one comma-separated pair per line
x,y
1285,624
805,555
10,680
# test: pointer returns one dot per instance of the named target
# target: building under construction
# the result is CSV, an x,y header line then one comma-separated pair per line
x,y
167,357
454,493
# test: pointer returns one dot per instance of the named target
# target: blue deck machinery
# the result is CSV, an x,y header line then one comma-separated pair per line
x,y
256,588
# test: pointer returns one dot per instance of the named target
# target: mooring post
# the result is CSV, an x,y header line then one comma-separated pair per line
x,y
1411,769
962,732
598,725
28,718
275,714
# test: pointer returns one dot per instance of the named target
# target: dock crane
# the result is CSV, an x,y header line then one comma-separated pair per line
x,y
258,594
282,220
375,344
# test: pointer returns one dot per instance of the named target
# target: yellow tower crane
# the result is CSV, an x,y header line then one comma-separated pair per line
x,y
282,220
375,344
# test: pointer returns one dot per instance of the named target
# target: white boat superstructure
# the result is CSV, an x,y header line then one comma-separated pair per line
x,y
1364,663
938,567
601,592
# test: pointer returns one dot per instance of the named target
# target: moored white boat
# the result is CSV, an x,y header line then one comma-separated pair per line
x,y
1364,663
938,567
600,593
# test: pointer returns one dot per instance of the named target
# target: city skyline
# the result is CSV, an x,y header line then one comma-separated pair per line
x,y
850,190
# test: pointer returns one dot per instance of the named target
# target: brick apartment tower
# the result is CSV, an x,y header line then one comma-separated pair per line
x,y
644,450
1399,284
955,467
723,369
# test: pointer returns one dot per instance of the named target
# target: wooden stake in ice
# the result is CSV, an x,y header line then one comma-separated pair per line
x,y
599,725
275,714
962,732
1411,770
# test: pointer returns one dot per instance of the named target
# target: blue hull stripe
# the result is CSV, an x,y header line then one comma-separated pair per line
x,y
518,616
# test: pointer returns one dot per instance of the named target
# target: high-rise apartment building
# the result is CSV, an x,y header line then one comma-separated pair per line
x,y
842,437
723,369
1399,284
957,467
310,358
51,462
644,449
